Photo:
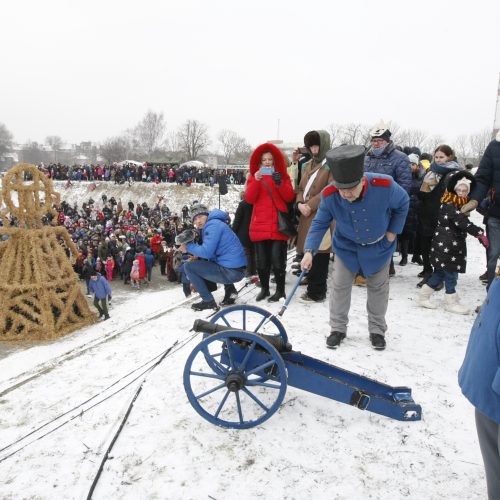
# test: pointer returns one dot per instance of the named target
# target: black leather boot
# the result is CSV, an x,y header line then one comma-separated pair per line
x,y
280,287
264,284
404,252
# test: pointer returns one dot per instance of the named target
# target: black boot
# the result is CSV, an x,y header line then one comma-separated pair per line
x,y
425,277
280,287
392,271
202,306
416,259
230,295
264,285
404,253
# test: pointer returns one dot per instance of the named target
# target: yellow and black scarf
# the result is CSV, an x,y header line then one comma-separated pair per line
x,y
454,199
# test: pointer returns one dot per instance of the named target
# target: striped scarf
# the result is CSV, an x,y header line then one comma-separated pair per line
x,y
454,199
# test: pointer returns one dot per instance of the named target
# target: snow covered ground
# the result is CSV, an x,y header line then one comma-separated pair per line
x,y
312,447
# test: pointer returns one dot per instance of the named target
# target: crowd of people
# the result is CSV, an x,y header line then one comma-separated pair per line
x,y
348,205
147,172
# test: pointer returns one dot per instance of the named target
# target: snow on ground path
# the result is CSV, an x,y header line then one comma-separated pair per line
x,y
312,446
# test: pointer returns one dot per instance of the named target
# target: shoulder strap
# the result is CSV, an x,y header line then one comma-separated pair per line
x,y
270,193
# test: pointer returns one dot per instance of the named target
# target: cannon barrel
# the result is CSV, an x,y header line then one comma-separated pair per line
x,y
276,341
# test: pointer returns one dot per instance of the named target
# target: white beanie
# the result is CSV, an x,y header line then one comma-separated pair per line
x,y
465,182
414,158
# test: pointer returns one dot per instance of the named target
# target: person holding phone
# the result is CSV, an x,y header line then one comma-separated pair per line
x,y
269,189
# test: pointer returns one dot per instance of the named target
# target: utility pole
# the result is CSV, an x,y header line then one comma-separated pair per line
x,y
496,124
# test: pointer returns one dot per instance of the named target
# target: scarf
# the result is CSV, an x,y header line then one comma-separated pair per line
x,y
444,168
378,151
454,199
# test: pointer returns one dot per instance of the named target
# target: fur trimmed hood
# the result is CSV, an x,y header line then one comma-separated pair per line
x,y
280,163
456,176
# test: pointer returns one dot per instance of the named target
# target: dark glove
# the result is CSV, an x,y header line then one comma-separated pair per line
x,y
277,178
483,239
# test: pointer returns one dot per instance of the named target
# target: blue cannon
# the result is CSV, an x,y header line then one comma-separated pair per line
x,y
238,374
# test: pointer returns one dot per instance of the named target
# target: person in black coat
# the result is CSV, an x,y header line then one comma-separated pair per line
x,y
431,191
241,226
449,248
128,259
407,240
488,177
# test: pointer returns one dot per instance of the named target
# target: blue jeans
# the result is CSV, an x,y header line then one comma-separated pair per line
x,y
198,271
450,280
493,230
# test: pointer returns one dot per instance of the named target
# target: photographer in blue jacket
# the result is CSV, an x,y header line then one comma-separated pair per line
x,y
224,257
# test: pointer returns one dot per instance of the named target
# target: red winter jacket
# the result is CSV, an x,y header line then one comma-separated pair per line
x,y
264,222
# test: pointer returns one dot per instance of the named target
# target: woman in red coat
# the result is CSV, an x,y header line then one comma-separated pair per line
x,y
269,189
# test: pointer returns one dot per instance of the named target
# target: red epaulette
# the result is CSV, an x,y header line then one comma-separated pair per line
x,y
381,182
329,190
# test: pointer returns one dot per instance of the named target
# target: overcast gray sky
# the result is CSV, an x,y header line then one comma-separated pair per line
x,y
88,70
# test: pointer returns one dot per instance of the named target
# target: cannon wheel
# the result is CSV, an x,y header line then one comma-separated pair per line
x,y
245,392
250,318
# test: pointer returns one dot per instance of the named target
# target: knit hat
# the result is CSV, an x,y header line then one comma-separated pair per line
x,y
463,182
414,158
347,165
312,139
198,209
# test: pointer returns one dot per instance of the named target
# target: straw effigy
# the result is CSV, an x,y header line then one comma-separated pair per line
x,y
40,297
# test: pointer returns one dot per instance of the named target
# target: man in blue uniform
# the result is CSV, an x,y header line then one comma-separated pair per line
x,y
225,260
370,210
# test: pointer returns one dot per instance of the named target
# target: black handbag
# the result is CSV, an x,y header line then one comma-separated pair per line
x,y
285,222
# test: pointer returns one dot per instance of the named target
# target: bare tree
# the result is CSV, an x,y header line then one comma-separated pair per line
x,y
32,153
353,133
5,139
115,149
432,143
334,130
233,145
193,137
133,144
462,148
55,143
150,131
412,137
479,141
173,141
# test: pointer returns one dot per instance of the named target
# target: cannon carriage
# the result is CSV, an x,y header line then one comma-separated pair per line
x,y
237,376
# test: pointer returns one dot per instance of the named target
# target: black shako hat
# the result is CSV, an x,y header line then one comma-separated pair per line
x,y
346,164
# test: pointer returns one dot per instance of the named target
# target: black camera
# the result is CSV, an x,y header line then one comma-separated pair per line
x,y
303,151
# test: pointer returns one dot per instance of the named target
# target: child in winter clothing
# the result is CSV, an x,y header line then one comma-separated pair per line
x,y
135,274
98,265
110,265
449,249
101,290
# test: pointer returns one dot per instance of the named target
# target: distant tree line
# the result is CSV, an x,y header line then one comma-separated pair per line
x,y
150,140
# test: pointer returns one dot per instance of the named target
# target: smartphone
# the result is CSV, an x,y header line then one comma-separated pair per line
x,y
303,151
267,170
